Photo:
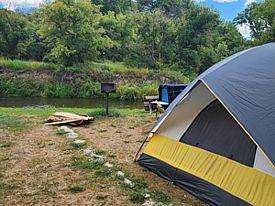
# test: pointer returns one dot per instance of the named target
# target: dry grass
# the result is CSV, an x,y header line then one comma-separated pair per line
x,y
38,166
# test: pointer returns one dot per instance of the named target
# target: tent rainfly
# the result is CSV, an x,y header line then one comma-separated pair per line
x,y
217,138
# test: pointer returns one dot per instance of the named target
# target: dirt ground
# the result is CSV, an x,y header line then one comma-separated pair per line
x,y
35,165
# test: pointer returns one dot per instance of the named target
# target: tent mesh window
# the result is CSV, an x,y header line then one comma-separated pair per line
x,y
215,130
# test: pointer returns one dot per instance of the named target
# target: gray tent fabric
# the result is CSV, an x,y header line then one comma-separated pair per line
x,y
245,84
215,130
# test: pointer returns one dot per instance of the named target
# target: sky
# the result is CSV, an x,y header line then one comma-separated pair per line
x,y
228,9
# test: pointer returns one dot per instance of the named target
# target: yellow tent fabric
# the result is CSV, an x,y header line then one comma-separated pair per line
x,y
246,183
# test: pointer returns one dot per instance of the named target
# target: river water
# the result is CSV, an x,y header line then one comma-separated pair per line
x,y
65,102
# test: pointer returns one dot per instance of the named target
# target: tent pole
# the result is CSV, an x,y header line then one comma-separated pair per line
x,y
140,148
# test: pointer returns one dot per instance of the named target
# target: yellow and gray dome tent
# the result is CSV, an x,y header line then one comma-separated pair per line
x,y
217,138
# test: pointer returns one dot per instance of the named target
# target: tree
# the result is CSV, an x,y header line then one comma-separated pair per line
x,y
117,6
120,29
260,17
71,31
172,8
153,46
16,33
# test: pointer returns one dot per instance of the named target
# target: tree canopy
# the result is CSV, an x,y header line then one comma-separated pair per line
x,y
179,35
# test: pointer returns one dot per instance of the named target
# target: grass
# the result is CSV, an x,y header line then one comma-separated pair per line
x,y
76,189
25,65
77,146
15,114
6,144
99,112
83,80
137,192
137,197
12,122
85,163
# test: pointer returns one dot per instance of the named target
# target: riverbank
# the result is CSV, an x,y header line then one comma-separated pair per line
x,y
40,165
38,79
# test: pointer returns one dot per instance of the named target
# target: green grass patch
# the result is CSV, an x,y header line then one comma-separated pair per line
x,y
75,145
159,196
101,197
76,189
4,186
12,123
25,65
100,112
85,163
6,112
103,172
137,197
6,144
61,132
99,152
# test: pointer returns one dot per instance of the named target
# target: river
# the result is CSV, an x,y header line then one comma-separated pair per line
x,y
65,102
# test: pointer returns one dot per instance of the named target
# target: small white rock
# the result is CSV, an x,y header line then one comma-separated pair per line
x,y
80,142
69,132
109,165
87,152
120,174
148,203
147,195
128,182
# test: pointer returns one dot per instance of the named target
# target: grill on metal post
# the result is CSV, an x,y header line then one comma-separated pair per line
x,y
108,88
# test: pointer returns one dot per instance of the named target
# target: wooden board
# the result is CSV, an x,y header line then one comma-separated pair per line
x,y
63,122
59,118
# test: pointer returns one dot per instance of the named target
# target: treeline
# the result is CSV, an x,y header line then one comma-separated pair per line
x,y
174,34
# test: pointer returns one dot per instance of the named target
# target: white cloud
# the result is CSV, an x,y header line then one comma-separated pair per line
x,y
199,1
247,2
33,3
245,30
225,1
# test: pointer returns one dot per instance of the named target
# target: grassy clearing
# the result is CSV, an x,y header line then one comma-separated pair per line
x,y
12,114
11,123
137,189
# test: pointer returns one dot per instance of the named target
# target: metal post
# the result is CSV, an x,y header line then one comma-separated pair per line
x,y
107,103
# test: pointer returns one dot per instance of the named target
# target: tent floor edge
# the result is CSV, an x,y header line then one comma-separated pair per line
x,y
202,189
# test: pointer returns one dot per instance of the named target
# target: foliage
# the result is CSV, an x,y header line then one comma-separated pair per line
x,y
118,6
70,29
151,36
82,80
15,35
260,17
